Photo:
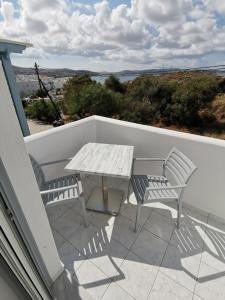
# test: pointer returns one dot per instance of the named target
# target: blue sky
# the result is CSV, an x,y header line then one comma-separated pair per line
x,y
111,35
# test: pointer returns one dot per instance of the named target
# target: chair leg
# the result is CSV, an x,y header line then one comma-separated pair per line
x,y
179,212
84,211
137,217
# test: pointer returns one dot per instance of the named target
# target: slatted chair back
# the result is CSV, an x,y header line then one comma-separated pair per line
x,y
179,166
39,174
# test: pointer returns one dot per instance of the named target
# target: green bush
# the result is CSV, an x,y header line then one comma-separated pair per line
x,y
94,99
150,88
113,83
178,98
190,97
41,110
71,92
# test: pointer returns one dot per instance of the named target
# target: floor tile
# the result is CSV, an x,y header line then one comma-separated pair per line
x,y
149,247
68,223
131,210
76,206
180,267
66,287
115,292
160,226
138,277
104,222
214,248
166,209
211,283
55,211
123,231
92,279
86,240
109,257
188,240
70,257
59,240
166,288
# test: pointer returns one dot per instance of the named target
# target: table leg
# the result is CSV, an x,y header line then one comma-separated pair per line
x,y
105,192
105,200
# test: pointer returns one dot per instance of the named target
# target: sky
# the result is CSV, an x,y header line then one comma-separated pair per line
x,y
113,35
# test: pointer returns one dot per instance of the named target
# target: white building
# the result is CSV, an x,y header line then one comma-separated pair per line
x,y
27,88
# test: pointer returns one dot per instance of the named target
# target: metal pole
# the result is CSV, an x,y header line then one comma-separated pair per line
x,y
41,84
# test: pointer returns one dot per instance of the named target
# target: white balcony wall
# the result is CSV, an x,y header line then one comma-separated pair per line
x,y
60,143
206,189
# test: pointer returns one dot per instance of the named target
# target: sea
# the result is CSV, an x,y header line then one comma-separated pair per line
x,y
122,78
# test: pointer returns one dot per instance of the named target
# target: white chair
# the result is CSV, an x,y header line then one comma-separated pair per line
x,y
177,169
59,190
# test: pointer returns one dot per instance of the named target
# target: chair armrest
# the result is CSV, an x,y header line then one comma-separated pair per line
x,y
55,162
148,159
172,187
58,189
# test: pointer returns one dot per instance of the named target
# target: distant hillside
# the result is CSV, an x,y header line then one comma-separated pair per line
x,y
51,72
64,72
69,72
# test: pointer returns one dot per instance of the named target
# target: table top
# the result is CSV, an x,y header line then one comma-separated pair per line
x,y
103,159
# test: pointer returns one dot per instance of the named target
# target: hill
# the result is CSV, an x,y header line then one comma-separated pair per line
x,y
52,72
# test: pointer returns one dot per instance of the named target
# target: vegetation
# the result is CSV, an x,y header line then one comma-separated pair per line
x,y
112,83
41,110
182,100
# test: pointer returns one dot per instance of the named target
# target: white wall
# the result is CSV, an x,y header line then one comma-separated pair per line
x,y
60,143
206,189
28,87
18,167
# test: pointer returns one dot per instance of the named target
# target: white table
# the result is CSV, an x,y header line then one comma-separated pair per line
x,y
104,160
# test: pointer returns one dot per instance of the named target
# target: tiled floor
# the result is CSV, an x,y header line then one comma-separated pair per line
x,y
111,262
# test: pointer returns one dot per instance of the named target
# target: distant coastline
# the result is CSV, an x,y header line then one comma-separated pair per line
x,y
124,75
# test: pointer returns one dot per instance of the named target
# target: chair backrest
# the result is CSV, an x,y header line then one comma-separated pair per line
x,y
180,166
39,174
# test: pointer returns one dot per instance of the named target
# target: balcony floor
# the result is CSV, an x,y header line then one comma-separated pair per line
x,y
111,262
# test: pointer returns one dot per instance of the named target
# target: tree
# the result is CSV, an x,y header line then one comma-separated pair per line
x,y
95,99
41,93
113,83
71,92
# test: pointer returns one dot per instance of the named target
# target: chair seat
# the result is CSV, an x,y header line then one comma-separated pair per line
x,y
141,182
55,197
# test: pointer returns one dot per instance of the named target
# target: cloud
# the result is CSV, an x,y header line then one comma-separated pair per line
x,y
146,31
7,11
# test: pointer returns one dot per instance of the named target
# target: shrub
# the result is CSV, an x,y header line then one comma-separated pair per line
x,y
72,90
41,110
190,97
94,99
113,83
150,88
